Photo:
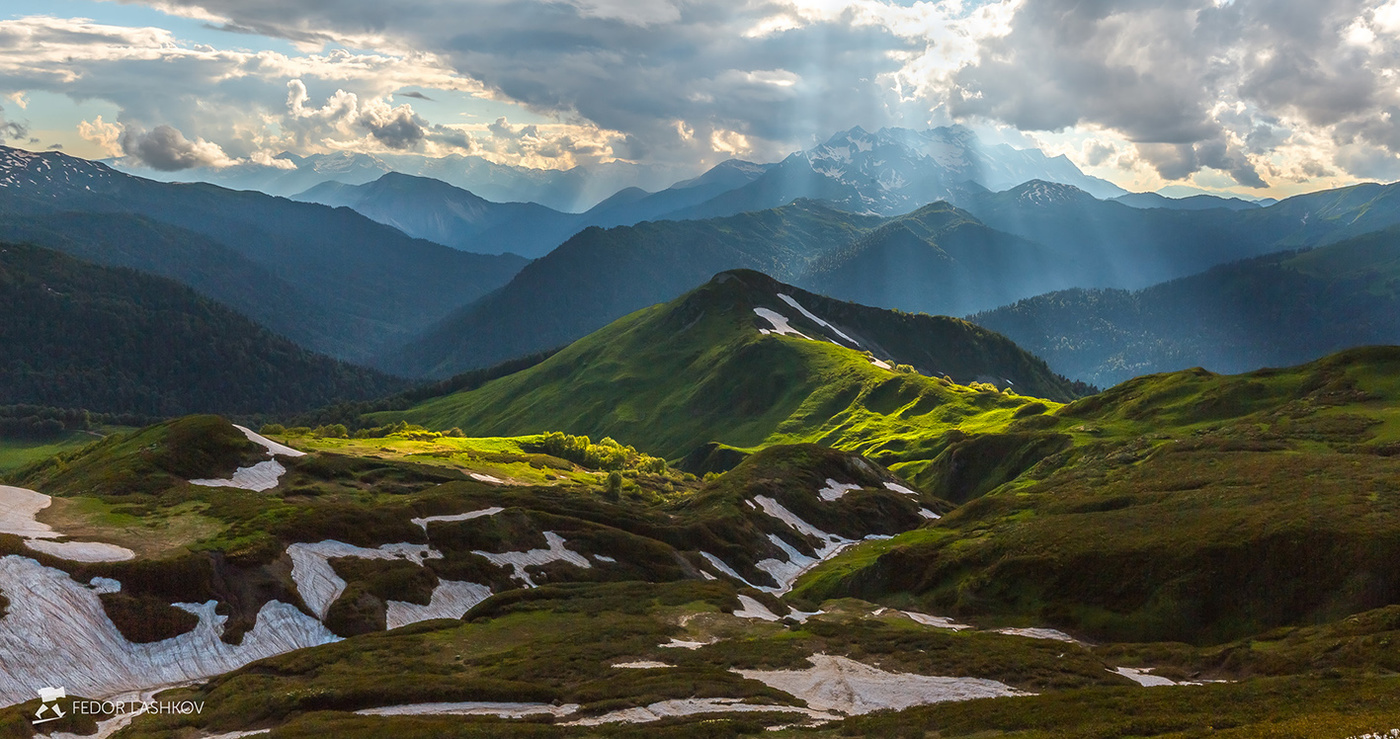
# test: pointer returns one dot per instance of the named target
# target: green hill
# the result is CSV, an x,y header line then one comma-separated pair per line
x,y
1182,507
110,340
675,376
1272,311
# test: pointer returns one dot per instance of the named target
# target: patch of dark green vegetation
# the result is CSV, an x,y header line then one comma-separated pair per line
x,y
144,618
369,584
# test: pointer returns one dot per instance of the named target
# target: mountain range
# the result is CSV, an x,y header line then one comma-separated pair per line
x,y
355,285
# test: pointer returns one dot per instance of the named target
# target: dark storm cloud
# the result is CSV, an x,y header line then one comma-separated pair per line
x,y
166,149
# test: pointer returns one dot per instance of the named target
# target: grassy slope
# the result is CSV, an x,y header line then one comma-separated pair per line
x,y
1189,506
672,377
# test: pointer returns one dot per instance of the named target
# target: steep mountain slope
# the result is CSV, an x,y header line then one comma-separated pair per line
x,y
436,211
938,260
894,171
108,340
598,276
376,283
712,366
205,265
1272,311
1188,507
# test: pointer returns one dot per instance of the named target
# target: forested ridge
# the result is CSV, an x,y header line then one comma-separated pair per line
x,y
113,340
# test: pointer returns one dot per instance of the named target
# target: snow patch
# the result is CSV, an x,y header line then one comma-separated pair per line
x,y
690,707
780,323
261,476
834,490
479,477
272,447
896,487
1051,634
316,580
57,633
642,665
814,319
753,609
602,558
940,622
842,684
451,599
423,522
724,568
81,551
1139,675
882,364
473,708
18,507
684,644
536,557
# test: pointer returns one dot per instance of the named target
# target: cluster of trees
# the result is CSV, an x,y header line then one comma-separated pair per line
x,y
605,455
43,422
401,429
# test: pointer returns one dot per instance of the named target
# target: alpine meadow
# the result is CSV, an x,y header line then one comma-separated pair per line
x,y
794,368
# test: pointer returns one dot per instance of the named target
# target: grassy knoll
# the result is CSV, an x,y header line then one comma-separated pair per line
x,y
671,378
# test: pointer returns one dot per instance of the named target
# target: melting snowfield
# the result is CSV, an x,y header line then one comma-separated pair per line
x,y
316,580
261,476
814,319
451,599
473,708
536,557
19,506
835,490
56,633
779,323
841,684
423,522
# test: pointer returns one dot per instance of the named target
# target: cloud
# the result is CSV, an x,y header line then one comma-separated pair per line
x,y
107,136
413,94
166,149
12,130
397,127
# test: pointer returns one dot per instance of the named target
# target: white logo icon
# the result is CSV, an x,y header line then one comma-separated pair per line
x,y
49,698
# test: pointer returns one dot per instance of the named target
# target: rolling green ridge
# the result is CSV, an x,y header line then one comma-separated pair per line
x,y
112,340
676,376
1272,311
1189,507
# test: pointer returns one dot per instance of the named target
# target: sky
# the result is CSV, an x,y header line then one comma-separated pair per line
x,y
1263,98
